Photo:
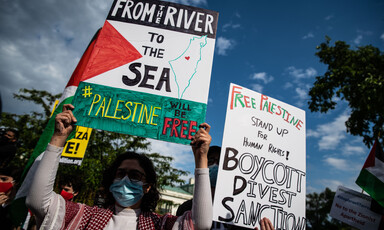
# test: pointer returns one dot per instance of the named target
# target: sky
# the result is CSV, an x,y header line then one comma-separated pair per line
x,y
266,46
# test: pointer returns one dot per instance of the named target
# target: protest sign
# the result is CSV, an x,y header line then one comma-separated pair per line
x,y
74,149
353,208
149,72
262,166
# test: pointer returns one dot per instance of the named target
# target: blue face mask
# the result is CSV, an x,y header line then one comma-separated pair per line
x,y
127,193
213,170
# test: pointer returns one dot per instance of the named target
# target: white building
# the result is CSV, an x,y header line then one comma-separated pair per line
x,y
172,197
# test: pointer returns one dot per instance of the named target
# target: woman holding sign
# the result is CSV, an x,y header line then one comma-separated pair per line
x,y
131,181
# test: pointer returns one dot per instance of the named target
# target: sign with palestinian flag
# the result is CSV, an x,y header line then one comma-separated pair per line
x,y
371,178
149,72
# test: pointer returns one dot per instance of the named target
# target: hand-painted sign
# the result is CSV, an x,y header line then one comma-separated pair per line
x,y
262,164
353,208
149,71
74,149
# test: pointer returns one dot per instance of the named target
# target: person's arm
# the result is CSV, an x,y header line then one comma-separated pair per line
x,y
41,192
202,200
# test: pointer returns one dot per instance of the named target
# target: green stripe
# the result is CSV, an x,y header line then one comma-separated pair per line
x,y
372,185
129,112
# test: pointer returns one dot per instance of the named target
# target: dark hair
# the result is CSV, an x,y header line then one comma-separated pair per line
x,y
12,171
15,173
214,149
73,180
149,200
214,154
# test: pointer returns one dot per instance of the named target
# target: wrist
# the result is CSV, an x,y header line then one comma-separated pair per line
x,y
58,141
201,162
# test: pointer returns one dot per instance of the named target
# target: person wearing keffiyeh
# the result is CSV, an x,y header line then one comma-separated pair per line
x,y
131,181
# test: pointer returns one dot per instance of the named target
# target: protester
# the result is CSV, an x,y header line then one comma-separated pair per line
x,y
69,186
8,181
8,147
133,190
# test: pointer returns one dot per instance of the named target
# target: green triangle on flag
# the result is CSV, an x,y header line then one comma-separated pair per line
x,y
371,177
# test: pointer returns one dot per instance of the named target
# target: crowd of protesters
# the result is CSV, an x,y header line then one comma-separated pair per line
x,y
132,193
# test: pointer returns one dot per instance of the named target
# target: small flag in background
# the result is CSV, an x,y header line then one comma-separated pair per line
x,y
371,178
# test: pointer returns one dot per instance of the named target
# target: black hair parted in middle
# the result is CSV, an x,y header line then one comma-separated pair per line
x,y
150,199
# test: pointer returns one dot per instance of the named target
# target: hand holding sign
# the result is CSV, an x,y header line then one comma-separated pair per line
x,y
265,224
63,126
200,145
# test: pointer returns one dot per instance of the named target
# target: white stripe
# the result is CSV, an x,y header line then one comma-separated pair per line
x,y
26,222
24,188
377,170
68,92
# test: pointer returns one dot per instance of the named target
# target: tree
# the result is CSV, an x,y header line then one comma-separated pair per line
x,y
167,175
103,147
357,77
318,209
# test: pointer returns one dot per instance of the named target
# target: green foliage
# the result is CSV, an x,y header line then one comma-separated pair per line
x,y
39,97
167,175
317,212
103,147
357,77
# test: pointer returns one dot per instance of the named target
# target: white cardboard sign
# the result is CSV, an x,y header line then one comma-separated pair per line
x,y
174,44
353,208
262,170
149,71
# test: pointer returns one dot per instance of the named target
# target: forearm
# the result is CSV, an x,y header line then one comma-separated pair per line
x,y
41,191
201,162
202,200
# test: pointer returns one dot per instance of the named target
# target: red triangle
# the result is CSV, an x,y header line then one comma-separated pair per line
x,y
111,51
76,75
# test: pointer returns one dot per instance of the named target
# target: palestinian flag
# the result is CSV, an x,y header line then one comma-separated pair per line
x,y
371,178
18,209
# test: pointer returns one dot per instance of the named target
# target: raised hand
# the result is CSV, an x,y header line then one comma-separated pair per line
x,y
200,145
64,123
